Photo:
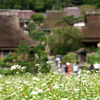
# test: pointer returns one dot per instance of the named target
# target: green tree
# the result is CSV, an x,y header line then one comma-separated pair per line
x,y
69,20
57,5
37,17
64,39
43,5
37,35
31,25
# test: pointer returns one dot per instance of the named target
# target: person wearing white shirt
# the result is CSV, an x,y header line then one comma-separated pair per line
x,y
75,68
96,66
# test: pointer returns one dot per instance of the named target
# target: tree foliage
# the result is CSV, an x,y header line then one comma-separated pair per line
x,y
70,19
64,40
37,17
43,5
37,35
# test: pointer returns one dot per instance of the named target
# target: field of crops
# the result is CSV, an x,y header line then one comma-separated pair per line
x,y
53,86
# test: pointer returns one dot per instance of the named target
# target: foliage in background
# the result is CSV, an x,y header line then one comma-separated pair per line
x,y
43,5
31,25
64,39
37,17
37,35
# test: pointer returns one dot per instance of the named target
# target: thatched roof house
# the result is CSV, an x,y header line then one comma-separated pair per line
x,y
91,31
75,11
53,17
11,34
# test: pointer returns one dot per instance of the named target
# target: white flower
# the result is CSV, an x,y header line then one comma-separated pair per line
x,y
55,86
25,82
37,65
44,84
1,76
36,79
34,92
15,67
63,99
24,67
8,82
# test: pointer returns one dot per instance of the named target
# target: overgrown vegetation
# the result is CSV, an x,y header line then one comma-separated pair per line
x,y
27,56
64,40
69,20
37,18
43,5
70,57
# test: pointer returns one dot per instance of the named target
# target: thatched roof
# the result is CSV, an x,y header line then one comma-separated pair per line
x,y
53,17
11,34
91,31
75,11
81,50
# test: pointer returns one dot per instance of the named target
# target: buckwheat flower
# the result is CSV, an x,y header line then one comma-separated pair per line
x,y
34,82
19,67
39,74
25,82
1,88
34,92
1,76
59,70
17,72
97,98
37,65
56,86
24,67
49,62
14,93
39,90
8,82
63,99
36,79
23,99
44,84
13,67
76,90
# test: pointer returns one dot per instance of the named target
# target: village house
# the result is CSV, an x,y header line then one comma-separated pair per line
x,y
53,16
75,11
11,34
24,17
90,27
91,30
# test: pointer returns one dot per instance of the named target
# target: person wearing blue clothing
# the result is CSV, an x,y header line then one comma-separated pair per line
x,y
91,68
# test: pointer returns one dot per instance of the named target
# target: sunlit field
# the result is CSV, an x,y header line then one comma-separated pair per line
x,y
53,86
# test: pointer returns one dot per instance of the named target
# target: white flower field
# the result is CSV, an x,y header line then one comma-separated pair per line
x,y
52,86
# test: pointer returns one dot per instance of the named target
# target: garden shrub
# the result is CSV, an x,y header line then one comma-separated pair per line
x,y
93,57
2,71
69,57
4,64
44,67
15,69
37,17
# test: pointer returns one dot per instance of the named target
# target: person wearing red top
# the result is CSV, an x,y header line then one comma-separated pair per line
x,y
68,67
